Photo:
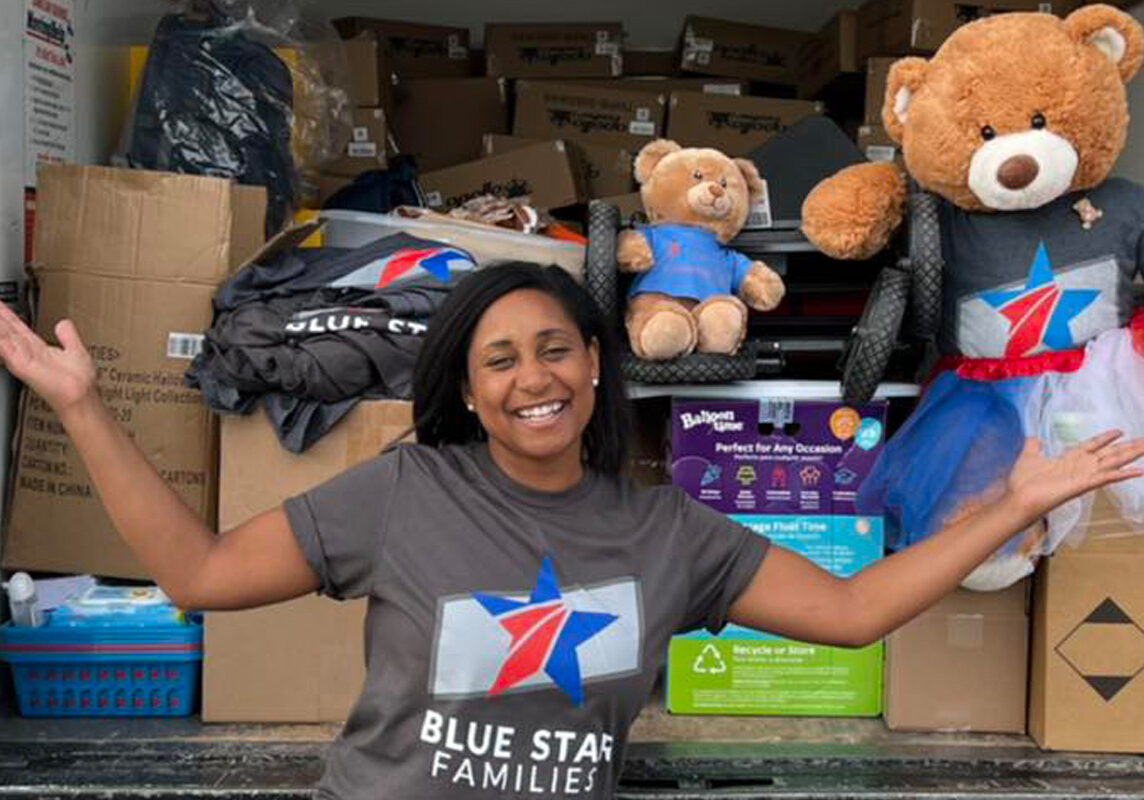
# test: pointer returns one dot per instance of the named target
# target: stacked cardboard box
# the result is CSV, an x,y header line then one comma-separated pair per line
x,y
605,171
789,470
300,661
738,50
133,258
735,125
542,172
554,50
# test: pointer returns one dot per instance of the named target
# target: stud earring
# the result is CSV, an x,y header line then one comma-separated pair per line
x,y
471,407
595,382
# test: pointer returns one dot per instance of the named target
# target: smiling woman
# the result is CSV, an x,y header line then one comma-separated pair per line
x,y
521,591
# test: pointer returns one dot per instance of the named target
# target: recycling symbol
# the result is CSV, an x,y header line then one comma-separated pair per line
x,y
1106,649
709,661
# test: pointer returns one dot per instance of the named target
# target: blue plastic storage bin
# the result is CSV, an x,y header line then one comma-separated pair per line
x,y
105,670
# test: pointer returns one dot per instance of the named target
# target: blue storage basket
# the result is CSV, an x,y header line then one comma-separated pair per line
x,y
105,671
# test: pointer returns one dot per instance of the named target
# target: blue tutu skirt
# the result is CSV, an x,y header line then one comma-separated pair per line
x,y
955,451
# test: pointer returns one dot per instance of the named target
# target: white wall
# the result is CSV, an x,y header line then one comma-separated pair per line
x,y
11,139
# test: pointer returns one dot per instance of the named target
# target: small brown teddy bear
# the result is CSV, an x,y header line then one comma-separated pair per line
x,y
684,298
1014,125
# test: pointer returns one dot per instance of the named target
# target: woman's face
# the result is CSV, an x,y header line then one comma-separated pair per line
x,y
530,380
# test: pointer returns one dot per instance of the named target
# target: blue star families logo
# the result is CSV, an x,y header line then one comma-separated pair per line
x,y
545,634
1039,313
488,643
385,271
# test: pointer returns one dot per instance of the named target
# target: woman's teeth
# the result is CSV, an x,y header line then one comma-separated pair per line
x,y
541,412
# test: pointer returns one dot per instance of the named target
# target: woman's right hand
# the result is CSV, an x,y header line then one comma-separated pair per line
x,y
64,376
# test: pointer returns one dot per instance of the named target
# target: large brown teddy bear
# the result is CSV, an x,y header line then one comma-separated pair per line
x,y
692,292
1014,125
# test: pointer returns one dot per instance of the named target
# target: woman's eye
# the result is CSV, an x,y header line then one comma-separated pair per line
x,y
555,352
499,363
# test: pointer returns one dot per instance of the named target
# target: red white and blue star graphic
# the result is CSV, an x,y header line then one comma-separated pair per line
x,y
434,260
1040,312
545,634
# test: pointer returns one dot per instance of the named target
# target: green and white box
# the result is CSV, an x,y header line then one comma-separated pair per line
x,y
742,671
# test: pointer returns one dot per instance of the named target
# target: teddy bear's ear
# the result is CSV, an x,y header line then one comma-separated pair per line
x,y
750,172
1116,34
651,154
905,78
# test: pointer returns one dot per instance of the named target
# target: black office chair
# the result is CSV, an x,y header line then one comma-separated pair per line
x,y
603,282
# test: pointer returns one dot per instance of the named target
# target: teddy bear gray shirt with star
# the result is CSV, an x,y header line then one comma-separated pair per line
x,y
1022,283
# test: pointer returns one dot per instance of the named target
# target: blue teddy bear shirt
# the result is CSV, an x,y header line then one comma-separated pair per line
x,y
690,262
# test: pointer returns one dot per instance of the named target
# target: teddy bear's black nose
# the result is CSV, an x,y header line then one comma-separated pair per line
x,y
1017,172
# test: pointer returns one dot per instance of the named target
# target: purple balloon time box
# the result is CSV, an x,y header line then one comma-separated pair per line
x,y
775,456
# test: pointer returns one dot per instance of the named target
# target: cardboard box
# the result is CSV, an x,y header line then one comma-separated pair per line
x,y
877,145
554,49
902,27
828,54
665,86
962,665
543,172
300,661
738,50
650,62
789,470
606,171
132,257
412,49
369,79
735,125
440,121
366,147
630,206
877,73
1087,685
588,114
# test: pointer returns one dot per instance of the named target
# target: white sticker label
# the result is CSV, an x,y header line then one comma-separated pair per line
x,y
760,214
880,152
184,345
361,134
607,49
641,128
458,53
454,40
1045,8
617,65
362,150
722,88
643,114
602,36
433,199
700,44
703,58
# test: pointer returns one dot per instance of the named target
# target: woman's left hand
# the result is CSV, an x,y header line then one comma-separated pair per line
x,y
1040,483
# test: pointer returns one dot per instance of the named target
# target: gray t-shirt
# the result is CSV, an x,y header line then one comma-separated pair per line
x,y
512,635
1022,283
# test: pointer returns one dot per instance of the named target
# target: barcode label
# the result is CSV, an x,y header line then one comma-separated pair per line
x,y
363,150
361,134
779,412
607,49
1045,8
760,214
880,152
458,53
641,128
722,88
184,345
434,200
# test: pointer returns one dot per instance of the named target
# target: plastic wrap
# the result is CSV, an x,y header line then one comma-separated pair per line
x,y
242,89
